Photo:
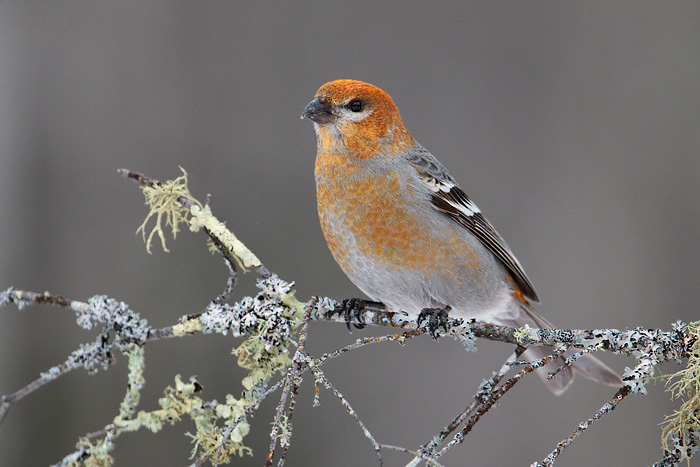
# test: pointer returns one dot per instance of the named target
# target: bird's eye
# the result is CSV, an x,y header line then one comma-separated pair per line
x,y
355,105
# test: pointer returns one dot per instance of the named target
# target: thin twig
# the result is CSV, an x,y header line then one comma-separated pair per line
x,y
21,297
563,444
161,333
290,413
227,434
400,338
231,264
139,177
9,399
485,407
482,395
278,422
293,379
568,361
318,374
420,456
247,411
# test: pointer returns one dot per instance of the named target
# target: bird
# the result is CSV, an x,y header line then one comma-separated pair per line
x,y
404,232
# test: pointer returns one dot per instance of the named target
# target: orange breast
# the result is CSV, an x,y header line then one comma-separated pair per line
x,y
367,214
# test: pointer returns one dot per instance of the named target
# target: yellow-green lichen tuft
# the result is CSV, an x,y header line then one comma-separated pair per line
x,y
98,453
263,361
209,437
684,424
181,400
289,300
521,334
163,203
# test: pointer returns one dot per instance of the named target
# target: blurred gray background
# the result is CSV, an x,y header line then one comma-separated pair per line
x,y
574,126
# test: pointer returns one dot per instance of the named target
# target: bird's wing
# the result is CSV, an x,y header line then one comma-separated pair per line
x,y
449,198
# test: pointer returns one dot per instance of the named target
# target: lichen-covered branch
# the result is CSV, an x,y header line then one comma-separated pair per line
x,y
173,202
605,409
272,326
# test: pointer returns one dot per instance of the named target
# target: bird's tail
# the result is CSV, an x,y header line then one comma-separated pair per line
x,y
587,365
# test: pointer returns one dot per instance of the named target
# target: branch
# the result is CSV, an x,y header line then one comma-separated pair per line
x,y
607,408
483,396
649,347
228,245
274,322
659,346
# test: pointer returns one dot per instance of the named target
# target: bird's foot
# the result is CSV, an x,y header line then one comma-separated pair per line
x,y
436,318
352,309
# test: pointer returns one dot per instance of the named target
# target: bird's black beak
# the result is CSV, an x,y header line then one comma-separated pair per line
x,y
318,111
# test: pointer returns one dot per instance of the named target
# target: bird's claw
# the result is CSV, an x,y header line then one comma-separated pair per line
x,y
352,308
436,318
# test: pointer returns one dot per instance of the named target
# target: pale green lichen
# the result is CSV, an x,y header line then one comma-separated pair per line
x,y
268,321
90,454
289,300
262,360
209,437
98,452
203,218
285,431
176,402
682,429
521,335
190,326
181,400
270,326
136,382
163,201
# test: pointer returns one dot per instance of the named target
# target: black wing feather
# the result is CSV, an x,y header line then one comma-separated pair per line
x,y
476,223
447,196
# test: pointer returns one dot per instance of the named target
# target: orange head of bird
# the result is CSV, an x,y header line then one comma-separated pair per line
x,y
357,119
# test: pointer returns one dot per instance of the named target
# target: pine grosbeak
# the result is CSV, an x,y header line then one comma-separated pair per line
x,y
404,232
